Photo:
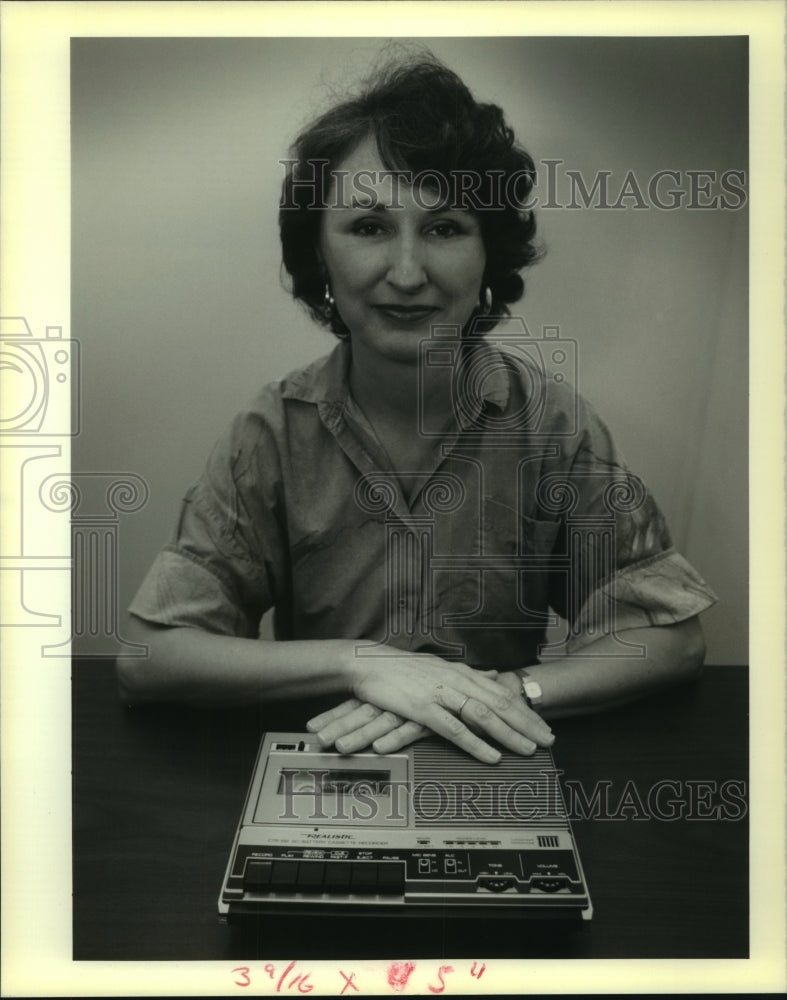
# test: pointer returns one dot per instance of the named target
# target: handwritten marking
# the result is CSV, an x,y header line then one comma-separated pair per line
x,y
243,971
398,974
443,970
301,981
348,981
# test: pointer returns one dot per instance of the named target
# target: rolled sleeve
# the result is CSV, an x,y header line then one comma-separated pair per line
x,y
179,590
662,590
624,572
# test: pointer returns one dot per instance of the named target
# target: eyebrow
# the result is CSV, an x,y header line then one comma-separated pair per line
x,y
377,207
431,209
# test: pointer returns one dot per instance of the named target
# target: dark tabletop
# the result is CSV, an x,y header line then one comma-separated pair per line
x,y
657,792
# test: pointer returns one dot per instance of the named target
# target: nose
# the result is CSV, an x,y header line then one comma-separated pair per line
x,y
407,265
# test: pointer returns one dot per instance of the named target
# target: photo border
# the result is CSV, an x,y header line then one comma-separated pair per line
x,y
35,278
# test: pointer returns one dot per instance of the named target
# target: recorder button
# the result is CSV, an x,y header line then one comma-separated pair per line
x,y
364,877
311,875
284,875
257,874
337,876
390,877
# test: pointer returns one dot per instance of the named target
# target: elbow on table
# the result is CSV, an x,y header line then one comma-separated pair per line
x,y
131,686
136,675
692,650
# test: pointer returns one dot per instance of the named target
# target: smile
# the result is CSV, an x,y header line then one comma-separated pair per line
x,y
407,314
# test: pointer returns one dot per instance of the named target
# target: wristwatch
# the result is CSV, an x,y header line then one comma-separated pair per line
x,y
531,690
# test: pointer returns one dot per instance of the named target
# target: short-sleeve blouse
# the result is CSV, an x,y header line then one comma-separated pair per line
x,y
526,518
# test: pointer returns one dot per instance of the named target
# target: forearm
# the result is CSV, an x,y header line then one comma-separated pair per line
x,y
189,664
598,678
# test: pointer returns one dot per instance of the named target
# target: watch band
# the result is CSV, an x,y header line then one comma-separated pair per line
x,y
531,690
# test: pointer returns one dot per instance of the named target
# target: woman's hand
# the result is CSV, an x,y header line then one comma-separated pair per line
x,y
355,725
361,724
400,696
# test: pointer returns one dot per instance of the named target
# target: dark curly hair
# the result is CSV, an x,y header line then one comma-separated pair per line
x,y
423,119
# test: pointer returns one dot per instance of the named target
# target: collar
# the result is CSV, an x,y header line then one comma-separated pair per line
x,y
325,381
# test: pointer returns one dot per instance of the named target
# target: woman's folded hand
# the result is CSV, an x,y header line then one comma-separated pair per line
x,y
400,697
356,725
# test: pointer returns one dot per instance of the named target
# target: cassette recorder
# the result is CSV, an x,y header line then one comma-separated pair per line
x,y
402,833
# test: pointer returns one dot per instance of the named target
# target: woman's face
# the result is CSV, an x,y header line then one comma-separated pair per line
x,y
395,266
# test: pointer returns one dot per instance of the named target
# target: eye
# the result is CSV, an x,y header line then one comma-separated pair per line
x,y
367,227
444,229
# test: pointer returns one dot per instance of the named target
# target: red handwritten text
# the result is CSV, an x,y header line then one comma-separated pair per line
x,y
443,970
244,979
398,974
348,981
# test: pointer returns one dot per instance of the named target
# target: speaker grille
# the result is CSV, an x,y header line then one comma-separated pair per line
x,y
452,789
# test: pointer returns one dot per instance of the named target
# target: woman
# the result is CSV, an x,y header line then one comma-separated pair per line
x,y
414,504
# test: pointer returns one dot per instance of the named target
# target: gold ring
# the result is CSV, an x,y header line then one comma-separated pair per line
x,y
459,710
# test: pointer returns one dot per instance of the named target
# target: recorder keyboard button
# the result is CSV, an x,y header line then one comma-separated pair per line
x,y
311,875
284,875
390,878
364,877
337,876
257,875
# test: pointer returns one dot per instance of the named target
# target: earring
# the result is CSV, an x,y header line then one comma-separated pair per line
x,y
328,302
486,305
